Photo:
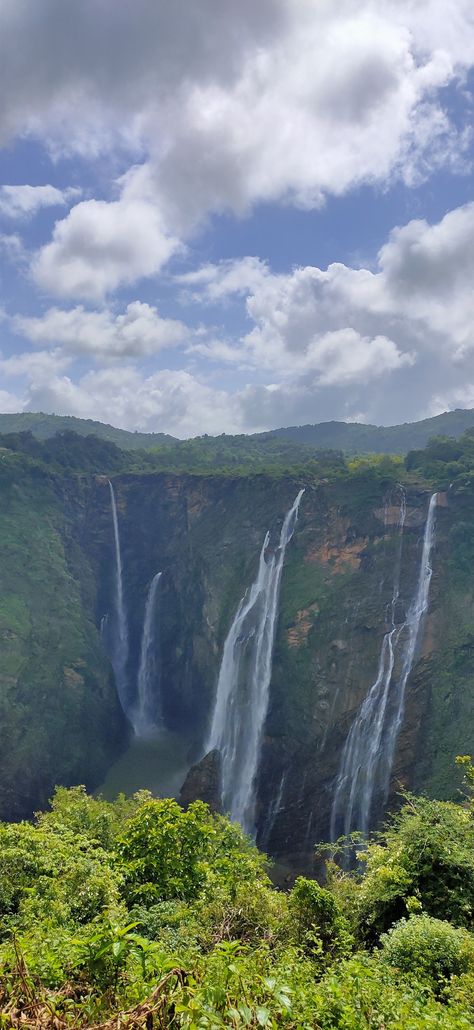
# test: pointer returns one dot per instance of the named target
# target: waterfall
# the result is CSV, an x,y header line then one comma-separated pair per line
x,y
273,810
119,649
367,756
147,710
417,610
244,680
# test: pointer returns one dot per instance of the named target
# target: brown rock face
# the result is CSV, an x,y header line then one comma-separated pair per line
x,y
203,782
297,635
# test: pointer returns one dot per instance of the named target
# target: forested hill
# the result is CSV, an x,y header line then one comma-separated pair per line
x,y
45,426
355,438
349,437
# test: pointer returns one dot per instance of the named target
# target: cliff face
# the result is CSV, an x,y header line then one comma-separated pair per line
x,y
204,534
59,718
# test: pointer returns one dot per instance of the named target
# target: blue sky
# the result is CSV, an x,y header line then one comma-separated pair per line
x,y
229,218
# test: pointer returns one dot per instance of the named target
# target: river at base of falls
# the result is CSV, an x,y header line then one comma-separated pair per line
x,y
158,762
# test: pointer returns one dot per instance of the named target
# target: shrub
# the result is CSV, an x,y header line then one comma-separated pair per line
x,y
426,853
429,949
317,918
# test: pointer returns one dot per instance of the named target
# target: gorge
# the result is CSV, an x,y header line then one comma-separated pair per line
x,y
193,608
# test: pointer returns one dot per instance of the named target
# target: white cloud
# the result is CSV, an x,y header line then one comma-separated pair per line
x,y
216,282
344,357
226,106
168,401
12,246
23,202
101,246
138,331
427,274
35,366
10,403
420,296
394,343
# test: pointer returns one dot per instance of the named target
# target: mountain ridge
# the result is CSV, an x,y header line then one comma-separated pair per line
x,y
349,437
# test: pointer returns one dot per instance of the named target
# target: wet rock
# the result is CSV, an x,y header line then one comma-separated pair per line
x,y
203,782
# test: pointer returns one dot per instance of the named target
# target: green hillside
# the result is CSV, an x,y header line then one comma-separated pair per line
x,y
349,437
355,438
44,426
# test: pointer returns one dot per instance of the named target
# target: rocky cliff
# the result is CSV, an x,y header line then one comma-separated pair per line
x,y
60,718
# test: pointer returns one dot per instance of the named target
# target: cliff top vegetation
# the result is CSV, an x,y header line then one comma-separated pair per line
x,y
444,463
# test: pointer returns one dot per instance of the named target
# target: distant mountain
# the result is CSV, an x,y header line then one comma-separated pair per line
x,y
355,438
350,437
44,426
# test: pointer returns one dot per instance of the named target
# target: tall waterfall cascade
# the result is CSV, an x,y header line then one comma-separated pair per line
x,y
244,680
368,754
119,631
147,714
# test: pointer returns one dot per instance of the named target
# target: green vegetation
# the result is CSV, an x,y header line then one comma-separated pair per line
x,y
138,914
45,426
58,711
444,461
354,438
70,452
349,437
449,463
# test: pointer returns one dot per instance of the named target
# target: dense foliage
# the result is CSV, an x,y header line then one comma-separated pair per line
x,y
349,437
70,453
449,463
141,914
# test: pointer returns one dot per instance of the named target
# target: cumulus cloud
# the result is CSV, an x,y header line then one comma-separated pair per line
x,y
10,402
22,202
427,273
225,106
169,401
57,58
391,342
386,343
101,246
34,366
137,332
419,296
216,282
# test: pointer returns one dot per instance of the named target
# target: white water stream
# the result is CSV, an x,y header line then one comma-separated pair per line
x,y
147,714
244,680
368,754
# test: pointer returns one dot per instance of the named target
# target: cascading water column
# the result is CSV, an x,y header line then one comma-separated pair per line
x,y
368,754
119,631
147,714
244,680
418,608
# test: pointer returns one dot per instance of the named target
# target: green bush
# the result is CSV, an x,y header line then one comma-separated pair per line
x,y
429,949
424,857
165,853
317,920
